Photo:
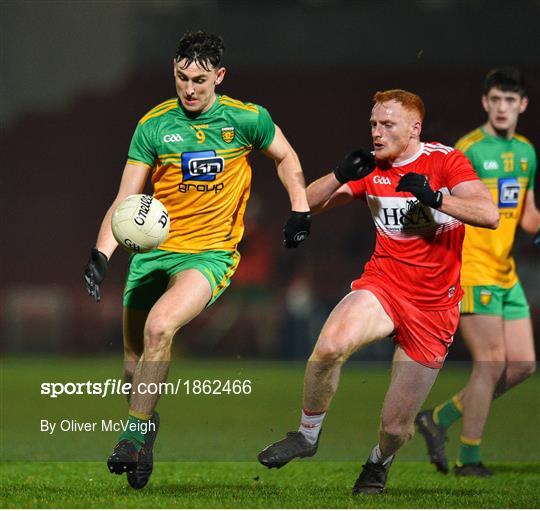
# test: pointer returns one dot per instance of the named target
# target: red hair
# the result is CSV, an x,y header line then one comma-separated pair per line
x,y
410,101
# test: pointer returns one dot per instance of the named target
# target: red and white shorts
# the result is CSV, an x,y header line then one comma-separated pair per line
x,y
425,335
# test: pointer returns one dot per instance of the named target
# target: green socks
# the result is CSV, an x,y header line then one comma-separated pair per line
x,y
135,429
469,451
445,415
448,412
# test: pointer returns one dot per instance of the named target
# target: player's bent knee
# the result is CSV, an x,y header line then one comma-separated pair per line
x,y
158,334
328,352
398,429
497,354
531,368
485,349
489,369
519,371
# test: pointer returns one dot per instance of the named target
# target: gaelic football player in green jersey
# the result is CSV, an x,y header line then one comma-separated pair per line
x,y
195,149
495,317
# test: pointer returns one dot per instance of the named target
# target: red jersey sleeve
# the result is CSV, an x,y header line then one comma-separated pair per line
x,y
358,188
458,169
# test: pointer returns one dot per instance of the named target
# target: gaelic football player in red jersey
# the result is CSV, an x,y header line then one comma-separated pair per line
x,y
420,195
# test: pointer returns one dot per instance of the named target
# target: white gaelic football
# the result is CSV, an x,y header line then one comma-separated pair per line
x,y
140,223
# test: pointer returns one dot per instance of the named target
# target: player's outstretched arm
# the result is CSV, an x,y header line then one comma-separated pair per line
x,y
530,215
471,202
133,180
327,192
289,170
290,173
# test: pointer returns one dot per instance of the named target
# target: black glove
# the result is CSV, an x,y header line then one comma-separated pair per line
x,y
355,165
296,229
95,272
418,185
536,240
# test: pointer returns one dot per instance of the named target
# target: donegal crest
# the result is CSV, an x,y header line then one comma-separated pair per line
x,y
227,134
485,297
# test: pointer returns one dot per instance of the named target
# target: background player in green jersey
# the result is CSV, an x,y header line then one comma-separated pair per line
x,y
495,317
167,288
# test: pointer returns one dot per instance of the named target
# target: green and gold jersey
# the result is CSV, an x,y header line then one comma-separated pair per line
x,y
200,168
507,168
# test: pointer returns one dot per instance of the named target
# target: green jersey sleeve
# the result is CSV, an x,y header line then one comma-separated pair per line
x,y
471,156
141,148
534,169
264,130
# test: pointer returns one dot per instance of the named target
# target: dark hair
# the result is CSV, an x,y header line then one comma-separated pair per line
x,y
507,79
202,48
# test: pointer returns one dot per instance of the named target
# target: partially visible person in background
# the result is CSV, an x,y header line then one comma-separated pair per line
x,y
495,317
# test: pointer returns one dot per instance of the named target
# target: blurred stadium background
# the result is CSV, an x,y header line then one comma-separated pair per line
x,y
77,75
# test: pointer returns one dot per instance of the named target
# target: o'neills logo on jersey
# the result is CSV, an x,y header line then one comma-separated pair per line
x,y
227,134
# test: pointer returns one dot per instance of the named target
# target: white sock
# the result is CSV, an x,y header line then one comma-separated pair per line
x,y
377,456
310,426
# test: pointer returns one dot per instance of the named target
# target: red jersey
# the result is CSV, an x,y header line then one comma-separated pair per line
x,y
418,249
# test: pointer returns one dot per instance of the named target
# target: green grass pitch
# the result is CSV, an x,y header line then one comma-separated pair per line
x,y
206,448
248,485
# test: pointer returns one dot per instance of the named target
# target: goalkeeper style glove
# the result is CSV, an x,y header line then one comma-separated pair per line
x,y
296,229
355,165
95,272
418,185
